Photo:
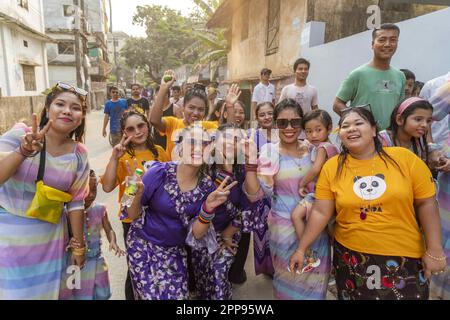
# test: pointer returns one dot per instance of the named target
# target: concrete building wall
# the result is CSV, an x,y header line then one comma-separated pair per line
x,y
347,17
54,15
249,55
423,48
13,109
31,17
19,47
62,73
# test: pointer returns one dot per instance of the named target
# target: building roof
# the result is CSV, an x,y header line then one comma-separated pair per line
x,y
34,33
222,17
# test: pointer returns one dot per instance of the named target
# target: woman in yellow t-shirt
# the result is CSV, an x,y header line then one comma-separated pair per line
x,y
388,231
136,146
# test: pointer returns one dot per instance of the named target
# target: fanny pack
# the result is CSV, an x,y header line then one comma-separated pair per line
x,y
48,202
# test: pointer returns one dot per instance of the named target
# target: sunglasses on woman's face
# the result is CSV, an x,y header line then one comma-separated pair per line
x,y
132,130
284,123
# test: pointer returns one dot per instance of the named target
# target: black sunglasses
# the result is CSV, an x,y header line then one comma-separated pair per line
x,y
284,123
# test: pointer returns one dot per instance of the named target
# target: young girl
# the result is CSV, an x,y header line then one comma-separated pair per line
x,y
318,126
32,249
94,276
137,143
410,122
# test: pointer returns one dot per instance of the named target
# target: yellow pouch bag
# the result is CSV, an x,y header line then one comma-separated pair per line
x,y
48,202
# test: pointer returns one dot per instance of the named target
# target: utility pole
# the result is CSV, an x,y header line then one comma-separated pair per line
x,y
77,31
114,41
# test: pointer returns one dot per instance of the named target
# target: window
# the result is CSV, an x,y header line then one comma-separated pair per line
x,y
23,4
66,47
29,78
244,18
273,27
69,10
25,43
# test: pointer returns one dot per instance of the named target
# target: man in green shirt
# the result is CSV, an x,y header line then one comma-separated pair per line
x,y
376,82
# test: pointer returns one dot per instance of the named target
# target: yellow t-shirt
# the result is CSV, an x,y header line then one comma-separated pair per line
x,y
386,197
175,125
142,157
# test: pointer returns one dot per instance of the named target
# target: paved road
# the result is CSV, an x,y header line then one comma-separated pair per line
x,y
256,287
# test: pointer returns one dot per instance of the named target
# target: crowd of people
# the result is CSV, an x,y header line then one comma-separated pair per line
x,y
364,204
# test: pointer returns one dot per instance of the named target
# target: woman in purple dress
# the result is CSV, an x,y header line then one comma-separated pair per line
x,y
172,199
213,256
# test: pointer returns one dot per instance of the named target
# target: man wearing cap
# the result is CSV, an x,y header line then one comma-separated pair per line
x,y
264,91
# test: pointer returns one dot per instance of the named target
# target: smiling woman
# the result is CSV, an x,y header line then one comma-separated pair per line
x,y
388,233
33,249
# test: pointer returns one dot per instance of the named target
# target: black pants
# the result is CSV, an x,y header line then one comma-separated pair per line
x,y
129,293
237,268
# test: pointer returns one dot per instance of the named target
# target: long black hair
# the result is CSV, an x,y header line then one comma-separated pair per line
x,y
150,144
287,104
367,116
420,146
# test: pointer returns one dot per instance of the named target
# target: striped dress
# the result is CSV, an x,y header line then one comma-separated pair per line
x,y
94,280
283,239
440,285
32,252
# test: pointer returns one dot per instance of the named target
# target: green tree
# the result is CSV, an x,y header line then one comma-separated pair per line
x,y
168,35
211,46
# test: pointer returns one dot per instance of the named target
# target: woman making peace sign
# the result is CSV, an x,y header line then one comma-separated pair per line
x,y
31,249
172,198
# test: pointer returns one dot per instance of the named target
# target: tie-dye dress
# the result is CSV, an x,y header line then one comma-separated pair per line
x,y
94,280
32,252
286,173
440,284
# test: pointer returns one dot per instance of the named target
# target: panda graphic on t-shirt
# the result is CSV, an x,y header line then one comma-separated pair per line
x,y
370,187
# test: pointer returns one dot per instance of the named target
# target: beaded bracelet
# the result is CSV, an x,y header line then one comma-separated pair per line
x,y
206,217
221,175
443,258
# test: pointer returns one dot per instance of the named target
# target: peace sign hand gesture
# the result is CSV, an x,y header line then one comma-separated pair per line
x,y
120,149
220,195
233,95
32,142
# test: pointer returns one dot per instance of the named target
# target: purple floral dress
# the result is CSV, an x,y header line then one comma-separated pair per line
x,y
156,251
211,264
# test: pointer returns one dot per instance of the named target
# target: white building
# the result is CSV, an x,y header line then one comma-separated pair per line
x,y
65,22
23,59
116,41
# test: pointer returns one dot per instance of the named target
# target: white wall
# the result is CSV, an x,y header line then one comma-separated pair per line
x,y
13,51
31,17
62,73
424,48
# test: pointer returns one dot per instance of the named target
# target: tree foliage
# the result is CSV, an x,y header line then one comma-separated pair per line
x,y
173,39
168,35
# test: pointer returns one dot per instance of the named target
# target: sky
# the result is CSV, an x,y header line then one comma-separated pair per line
x,y
123,11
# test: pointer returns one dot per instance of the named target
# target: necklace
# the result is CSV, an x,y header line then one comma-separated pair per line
x,y
361,184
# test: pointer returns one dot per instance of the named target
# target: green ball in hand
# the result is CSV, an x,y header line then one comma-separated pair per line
x,y
167,78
